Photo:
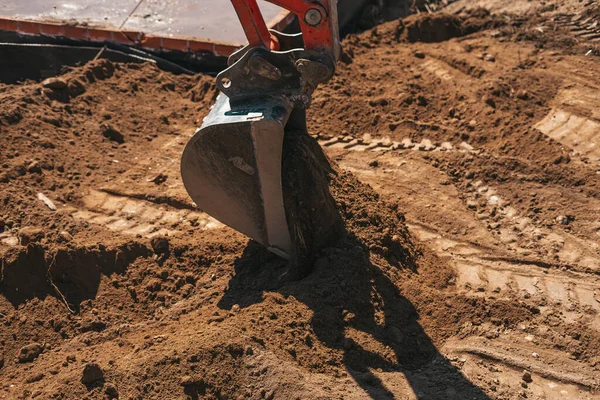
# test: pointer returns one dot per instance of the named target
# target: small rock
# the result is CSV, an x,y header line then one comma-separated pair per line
x,y
34,378
92,373
30,352
308,339
469,175
527,376
55,83
112,133
522,94
133,293
372,380
378,102
110,389
489,101
66,236
92,326
159,179
34,168
47,201
76,87
466,146
160,244
30,234
489,57
154,285
472,204
419,54
290,349
374,164
535,355
563,220
187,380
270,395
346,57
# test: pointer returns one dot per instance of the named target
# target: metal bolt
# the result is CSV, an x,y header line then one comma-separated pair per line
x,y
301,66
313,17
313,70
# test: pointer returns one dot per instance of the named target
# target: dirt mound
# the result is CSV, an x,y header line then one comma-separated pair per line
x,y
372,298
452,273
371,302
430,27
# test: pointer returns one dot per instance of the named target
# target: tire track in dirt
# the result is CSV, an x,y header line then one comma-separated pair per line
x,y
367,143
486,267
520,358
583,27
575,121
520,234
130,216
154,203
569,249
481,270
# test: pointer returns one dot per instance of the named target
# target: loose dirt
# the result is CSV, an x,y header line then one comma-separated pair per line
x,y
460,156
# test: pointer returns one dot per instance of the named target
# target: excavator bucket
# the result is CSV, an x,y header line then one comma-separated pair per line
x,y
231,168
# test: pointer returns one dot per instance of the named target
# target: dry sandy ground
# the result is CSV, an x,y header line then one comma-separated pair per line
x,y
469,268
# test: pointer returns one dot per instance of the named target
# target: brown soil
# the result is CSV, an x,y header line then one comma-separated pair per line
x,y
314,221
455,270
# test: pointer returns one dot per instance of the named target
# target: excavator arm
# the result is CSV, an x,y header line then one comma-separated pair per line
x,y
232,166
317,20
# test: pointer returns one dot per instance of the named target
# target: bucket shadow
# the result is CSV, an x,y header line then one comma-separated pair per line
x,y
356,308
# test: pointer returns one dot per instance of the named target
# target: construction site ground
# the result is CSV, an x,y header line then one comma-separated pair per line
x,y
466,147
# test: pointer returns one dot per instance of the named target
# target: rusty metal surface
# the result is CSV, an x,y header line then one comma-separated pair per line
x,y
207,19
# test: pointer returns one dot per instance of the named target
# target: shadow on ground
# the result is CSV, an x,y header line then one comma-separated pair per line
x,y
348,293
70,274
